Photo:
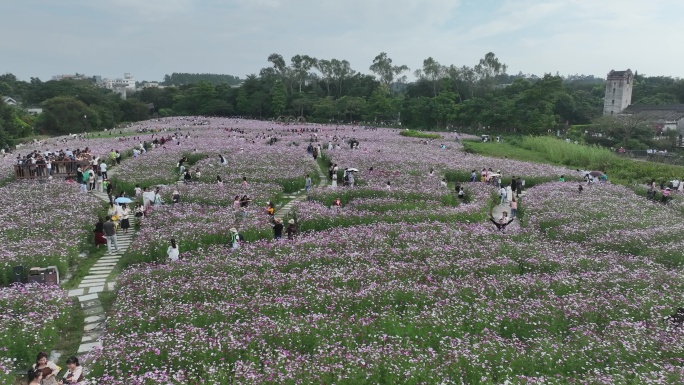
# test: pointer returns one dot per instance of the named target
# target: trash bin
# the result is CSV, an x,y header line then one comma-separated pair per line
x,y
18,274
52,275
36,275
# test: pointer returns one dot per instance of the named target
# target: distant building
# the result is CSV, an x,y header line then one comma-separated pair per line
x,y
9,101
34,110
663,117
618,92
151,85
618,101
76,76
128,81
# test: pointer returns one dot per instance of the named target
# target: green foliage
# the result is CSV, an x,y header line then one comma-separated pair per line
x,y
555,151
179,79
66,115
419,134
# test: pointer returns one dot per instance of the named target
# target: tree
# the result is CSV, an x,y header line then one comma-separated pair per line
x,y
386,72
301,65
432,72
65,115
243,106
134,110
488,69
341,70
279,101
325,67
625,128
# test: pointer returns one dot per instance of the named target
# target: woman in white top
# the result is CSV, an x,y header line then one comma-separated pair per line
x,y
172,252
75,373
125,224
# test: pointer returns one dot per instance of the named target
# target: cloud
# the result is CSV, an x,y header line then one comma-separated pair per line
x,y
153,37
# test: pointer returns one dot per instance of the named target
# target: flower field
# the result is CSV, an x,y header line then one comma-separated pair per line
x,y
395,303
406,284
31,319
44,224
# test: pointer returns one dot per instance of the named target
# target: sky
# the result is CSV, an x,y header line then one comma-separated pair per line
x,y
151,38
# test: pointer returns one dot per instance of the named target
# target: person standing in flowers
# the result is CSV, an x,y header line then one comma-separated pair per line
x,y
291,229
172,252
278,229
334,180
234,238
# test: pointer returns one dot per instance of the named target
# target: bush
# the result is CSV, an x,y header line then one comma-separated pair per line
x,y
419,134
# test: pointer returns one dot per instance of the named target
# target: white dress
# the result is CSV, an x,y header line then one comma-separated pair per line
x,y
334,180
172,253
509,193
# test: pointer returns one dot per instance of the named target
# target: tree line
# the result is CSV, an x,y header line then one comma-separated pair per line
x,y
481,96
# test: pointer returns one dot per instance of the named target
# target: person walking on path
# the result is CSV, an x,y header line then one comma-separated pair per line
x,y
103,169
307,183
125,223
503,195
172,252
514,207
110,233
278,229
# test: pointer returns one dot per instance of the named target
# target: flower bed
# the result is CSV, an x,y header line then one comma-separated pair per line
x,y
31,319
419,303
44,224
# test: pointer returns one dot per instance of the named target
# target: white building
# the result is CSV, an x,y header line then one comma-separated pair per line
x,y
128,81
9,101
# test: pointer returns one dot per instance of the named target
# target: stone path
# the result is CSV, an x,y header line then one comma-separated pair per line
x,y
301,195
98,280
497,212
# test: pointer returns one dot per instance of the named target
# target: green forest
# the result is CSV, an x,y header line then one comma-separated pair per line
x,y
441,96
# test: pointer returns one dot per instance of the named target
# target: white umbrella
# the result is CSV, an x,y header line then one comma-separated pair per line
x,y
353,169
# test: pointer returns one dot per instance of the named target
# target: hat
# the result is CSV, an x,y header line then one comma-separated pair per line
x,y
233,230
175,192
667,188
291,221
278,220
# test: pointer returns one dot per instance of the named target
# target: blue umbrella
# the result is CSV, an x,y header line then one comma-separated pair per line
x,y
122,200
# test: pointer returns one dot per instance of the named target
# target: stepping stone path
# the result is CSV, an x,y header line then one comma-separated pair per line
x,y
287,208
497,212
98,280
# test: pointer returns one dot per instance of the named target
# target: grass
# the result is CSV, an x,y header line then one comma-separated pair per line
x,y
419,134
70,337
557,152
